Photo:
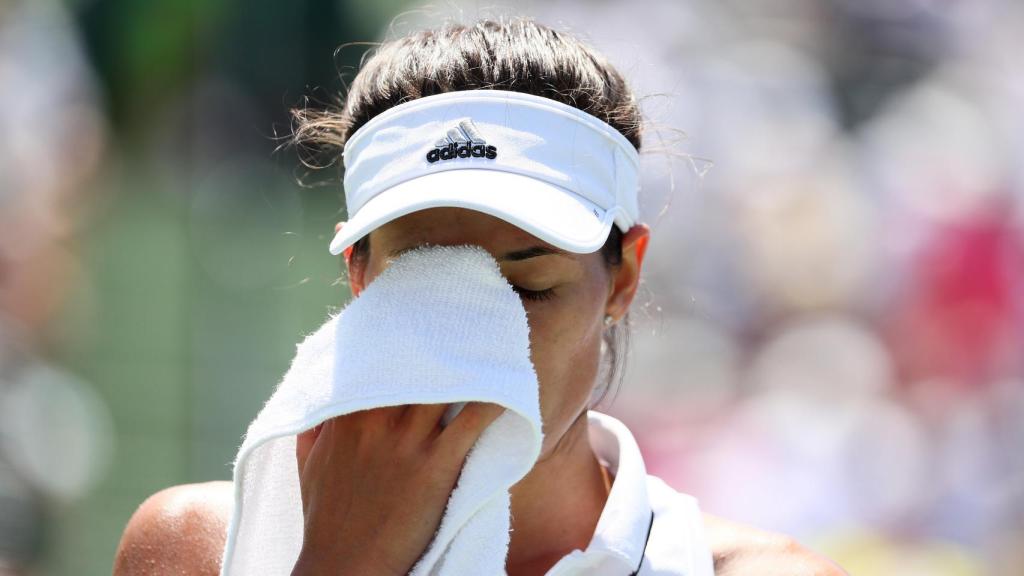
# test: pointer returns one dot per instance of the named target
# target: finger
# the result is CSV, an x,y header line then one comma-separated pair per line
x,y
462,432
389,416
304,443
369,422
424,418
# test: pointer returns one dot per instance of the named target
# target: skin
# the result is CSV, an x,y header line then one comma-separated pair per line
x,y
555,508
566,326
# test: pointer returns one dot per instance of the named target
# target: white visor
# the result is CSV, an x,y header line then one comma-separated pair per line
x,y
553,170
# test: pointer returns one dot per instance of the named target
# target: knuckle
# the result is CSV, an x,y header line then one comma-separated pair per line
x,y
382,415
408,442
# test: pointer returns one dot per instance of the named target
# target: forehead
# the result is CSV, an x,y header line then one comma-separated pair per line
x,y
450,226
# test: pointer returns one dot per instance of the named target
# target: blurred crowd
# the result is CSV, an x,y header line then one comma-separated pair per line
x,y
833,343
829,340
54,427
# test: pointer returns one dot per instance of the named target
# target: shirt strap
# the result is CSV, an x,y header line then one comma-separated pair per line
x,y
646,540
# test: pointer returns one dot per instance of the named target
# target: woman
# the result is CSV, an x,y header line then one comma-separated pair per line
x,y
553,199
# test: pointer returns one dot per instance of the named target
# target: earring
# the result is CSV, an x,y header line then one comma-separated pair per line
x,y
608,320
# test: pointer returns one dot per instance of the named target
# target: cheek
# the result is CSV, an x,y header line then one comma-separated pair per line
x,y
565,344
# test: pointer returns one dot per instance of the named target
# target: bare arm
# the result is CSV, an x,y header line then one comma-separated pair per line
x,y
740,550
179,530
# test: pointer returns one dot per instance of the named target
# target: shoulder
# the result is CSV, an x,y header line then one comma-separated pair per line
x,y
739,549
178,530
735,549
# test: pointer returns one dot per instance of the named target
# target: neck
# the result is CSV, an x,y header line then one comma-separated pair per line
x,y
555,507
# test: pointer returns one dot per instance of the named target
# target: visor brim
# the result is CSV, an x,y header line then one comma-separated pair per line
x,y
549,212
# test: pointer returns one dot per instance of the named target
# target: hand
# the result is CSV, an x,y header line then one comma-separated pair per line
x,y
375,484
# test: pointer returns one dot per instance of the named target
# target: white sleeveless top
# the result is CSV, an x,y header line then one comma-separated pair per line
x,y
646,528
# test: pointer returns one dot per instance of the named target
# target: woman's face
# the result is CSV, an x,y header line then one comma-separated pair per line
x,y
566,295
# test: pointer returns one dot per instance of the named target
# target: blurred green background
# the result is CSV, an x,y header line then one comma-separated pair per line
x,y
201,259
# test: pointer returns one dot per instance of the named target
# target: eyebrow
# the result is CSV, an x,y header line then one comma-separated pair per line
x,y
514,256
532,252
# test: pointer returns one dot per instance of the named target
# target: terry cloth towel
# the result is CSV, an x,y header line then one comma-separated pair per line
x,y
439,325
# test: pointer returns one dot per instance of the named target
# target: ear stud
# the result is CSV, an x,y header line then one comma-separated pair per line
x,y
608,320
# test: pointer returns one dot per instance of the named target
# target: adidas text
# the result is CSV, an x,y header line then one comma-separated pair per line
x,y
452,151
462,141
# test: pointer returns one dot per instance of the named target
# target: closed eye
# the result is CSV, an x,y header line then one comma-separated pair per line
x,y
534,294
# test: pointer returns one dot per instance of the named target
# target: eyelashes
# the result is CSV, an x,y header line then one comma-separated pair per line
x,y
534,295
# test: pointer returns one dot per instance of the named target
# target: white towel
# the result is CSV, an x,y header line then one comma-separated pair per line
x,y
439,325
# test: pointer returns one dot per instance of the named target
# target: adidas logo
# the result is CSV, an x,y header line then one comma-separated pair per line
x,y
463,141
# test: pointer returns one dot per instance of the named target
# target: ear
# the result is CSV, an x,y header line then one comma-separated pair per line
x,y
626,277
355,275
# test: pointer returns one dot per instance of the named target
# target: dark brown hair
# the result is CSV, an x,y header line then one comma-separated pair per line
x,y
518,55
